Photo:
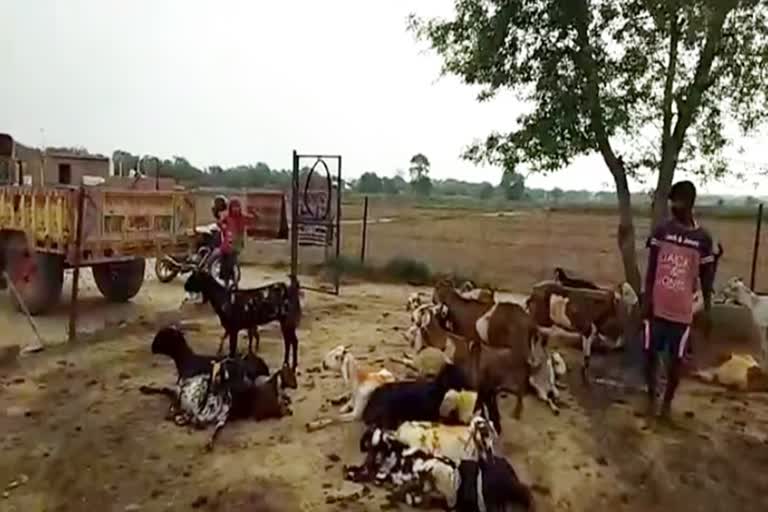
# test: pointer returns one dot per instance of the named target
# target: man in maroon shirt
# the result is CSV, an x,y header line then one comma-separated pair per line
x,y
680,255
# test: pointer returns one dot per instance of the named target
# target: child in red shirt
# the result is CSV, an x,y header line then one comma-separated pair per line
x,y
232,226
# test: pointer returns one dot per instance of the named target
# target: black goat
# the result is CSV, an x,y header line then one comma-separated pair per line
x,y
258,399
396,402
500,489
249,308
171,342
213,390
571,282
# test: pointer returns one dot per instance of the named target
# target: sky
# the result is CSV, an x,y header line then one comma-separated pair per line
x,y
240,81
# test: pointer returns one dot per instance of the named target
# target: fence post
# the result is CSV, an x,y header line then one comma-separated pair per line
x,y
76,273
295,217
340,187
756,248
365,230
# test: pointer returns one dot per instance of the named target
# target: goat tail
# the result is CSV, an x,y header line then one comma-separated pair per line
x,y
294,297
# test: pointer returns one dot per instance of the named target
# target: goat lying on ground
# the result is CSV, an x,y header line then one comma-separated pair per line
x,y
464,474
562,278
360,382
247,309
469,290
415,300
393,403
452,442
591,314
170,341
210,391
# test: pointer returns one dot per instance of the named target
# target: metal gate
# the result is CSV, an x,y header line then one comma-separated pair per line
x,y
314,220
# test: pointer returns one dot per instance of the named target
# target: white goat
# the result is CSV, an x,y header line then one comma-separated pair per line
x,y
361,383
736,291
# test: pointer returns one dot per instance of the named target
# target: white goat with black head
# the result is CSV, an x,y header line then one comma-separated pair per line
x,y
471,478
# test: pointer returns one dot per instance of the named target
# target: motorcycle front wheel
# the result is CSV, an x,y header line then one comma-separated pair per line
x,y
166,271
214,268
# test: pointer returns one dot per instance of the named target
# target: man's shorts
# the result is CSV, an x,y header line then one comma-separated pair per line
x,y
663,335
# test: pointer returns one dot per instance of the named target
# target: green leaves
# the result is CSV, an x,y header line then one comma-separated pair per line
x,y
595,73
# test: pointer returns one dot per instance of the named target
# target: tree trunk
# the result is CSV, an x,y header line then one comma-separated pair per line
x,y
663,185
626,232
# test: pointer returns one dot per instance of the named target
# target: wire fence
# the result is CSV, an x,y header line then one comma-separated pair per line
x,y
515,249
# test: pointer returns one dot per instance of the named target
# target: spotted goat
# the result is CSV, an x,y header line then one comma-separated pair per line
x,y
247,309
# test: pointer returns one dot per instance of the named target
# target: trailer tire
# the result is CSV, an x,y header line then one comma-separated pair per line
x,y
37,276
119,281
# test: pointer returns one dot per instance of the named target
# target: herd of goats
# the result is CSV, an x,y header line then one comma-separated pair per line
x,y
431,440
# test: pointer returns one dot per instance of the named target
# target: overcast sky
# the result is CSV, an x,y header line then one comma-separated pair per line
x,y
229,82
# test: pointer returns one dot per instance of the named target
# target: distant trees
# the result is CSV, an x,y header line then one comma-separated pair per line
x,y
512,185
419,172
370,183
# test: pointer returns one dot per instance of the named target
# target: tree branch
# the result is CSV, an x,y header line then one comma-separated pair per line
x,y
702,78
669,82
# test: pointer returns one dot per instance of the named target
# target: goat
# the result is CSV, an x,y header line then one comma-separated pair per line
x,y
170,341
499,323
562,278
360,382
393,403
589,313
415,300
453,442
469,290
505,365
249,308
737,292
212,390
259,400
456,466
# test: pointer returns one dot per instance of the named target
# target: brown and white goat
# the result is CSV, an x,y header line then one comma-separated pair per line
x,y
589,313
360,382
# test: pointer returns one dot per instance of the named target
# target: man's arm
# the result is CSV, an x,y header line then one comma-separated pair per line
x,y
650,274
707,272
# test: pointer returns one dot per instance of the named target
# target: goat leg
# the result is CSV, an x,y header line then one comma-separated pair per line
x,y
152,390
216,430
586,348
344,397
232,343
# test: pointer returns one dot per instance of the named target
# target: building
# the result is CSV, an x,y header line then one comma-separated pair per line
x,y
31,166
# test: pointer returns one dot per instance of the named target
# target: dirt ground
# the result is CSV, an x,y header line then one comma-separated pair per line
x,y
76,434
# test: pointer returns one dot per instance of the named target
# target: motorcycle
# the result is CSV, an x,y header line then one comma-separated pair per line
x,y
207,257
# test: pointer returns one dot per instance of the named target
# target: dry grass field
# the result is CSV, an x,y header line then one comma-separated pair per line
x,y
510,249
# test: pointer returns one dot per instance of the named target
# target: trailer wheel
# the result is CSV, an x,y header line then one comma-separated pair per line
x,y
119,281
37,277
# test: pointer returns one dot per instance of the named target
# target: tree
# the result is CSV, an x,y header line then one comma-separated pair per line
x,y
422,186
647,84
486,192
370,183
513,185
556,194
419,168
